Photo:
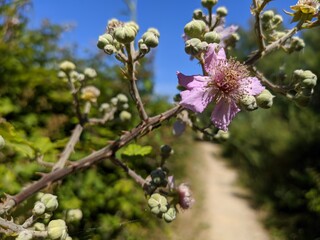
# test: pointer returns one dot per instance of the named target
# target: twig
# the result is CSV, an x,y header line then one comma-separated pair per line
x,y
134,92
76,101
106,117
129,171
276,44
143,128
258,28
69,148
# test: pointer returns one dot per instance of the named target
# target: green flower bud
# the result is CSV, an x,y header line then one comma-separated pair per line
x,y
122,98
195,28
50,201
114,101
301,100
222,135
57,229
309,82
67,66
212,37
125,34
61,74
170,215
222,11
277,19
74,215
265,99
39,208
307,74
25,235
150,39
46,217
194,46
109,49
158,203
39,227
154,31
198,14
90,93
2,142
103,40
267,15
125,116
90,73
134,25
143,48
248,102
125,106
208,3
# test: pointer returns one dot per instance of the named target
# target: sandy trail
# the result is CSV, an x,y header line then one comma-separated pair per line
x,y
222,211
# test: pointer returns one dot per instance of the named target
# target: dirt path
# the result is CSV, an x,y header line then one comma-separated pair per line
x,y
222,210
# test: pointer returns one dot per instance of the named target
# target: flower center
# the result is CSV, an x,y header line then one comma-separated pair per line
x,y
227,74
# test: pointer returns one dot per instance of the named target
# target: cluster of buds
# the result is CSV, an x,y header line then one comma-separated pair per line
x,y
203,30
68,73
304,87
150,39
119,104
262,100
270,21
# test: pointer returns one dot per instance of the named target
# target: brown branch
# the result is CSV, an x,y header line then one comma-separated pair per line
x,y
143,128
258,28
69,148
134,92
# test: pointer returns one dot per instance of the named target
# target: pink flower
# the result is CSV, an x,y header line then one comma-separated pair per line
x,y
185,197
228,81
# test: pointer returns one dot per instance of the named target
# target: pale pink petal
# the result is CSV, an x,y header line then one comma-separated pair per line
x,y
251,86
194,81
223,113
227,32
211,57
196,99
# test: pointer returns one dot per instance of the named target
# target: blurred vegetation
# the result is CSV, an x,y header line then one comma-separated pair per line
x,y
37,116
277,150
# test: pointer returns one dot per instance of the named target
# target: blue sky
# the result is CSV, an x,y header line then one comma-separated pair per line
x,y
168,16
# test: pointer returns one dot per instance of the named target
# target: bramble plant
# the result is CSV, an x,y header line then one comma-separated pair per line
x,y
226,86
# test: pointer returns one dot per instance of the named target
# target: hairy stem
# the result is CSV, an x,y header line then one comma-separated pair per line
x,y
142,129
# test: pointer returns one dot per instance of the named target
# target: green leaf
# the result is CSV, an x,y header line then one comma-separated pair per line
x,y
137,150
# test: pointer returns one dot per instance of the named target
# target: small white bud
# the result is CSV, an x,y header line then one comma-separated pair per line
x,y
24,235
39,208
74,215
57,229
67,66
50,201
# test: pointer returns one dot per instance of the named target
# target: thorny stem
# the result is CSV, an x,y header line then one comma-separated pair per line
x,y
258,28
276,44
104,153
133,85
69,148
129,171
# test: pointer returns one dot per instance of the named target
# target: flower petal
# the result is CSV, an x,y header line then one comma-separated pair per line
x,y
211,57
194,81
196,99
223,113
251,86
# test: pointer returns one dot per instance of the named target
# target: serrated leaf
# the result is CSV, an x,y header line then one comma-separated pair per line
x,y
137,150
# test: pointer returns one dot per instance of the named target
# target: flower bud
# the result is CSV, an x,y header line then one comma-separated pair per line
x,y
125,116
208,3
309,82
114,101
166,150
67,66
122,98
90,73
222,135
39,208
222,11
277,19
194,46
125,34
25,235
57,229
301,100
185,197
158,203
50,201
212,37
265,99
170,215
195,28
109,49
158,177
104,40
39,227
267,16
150,39
198,14
2,142
248,102
74,215
154,31
90,93
133,25
143,48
